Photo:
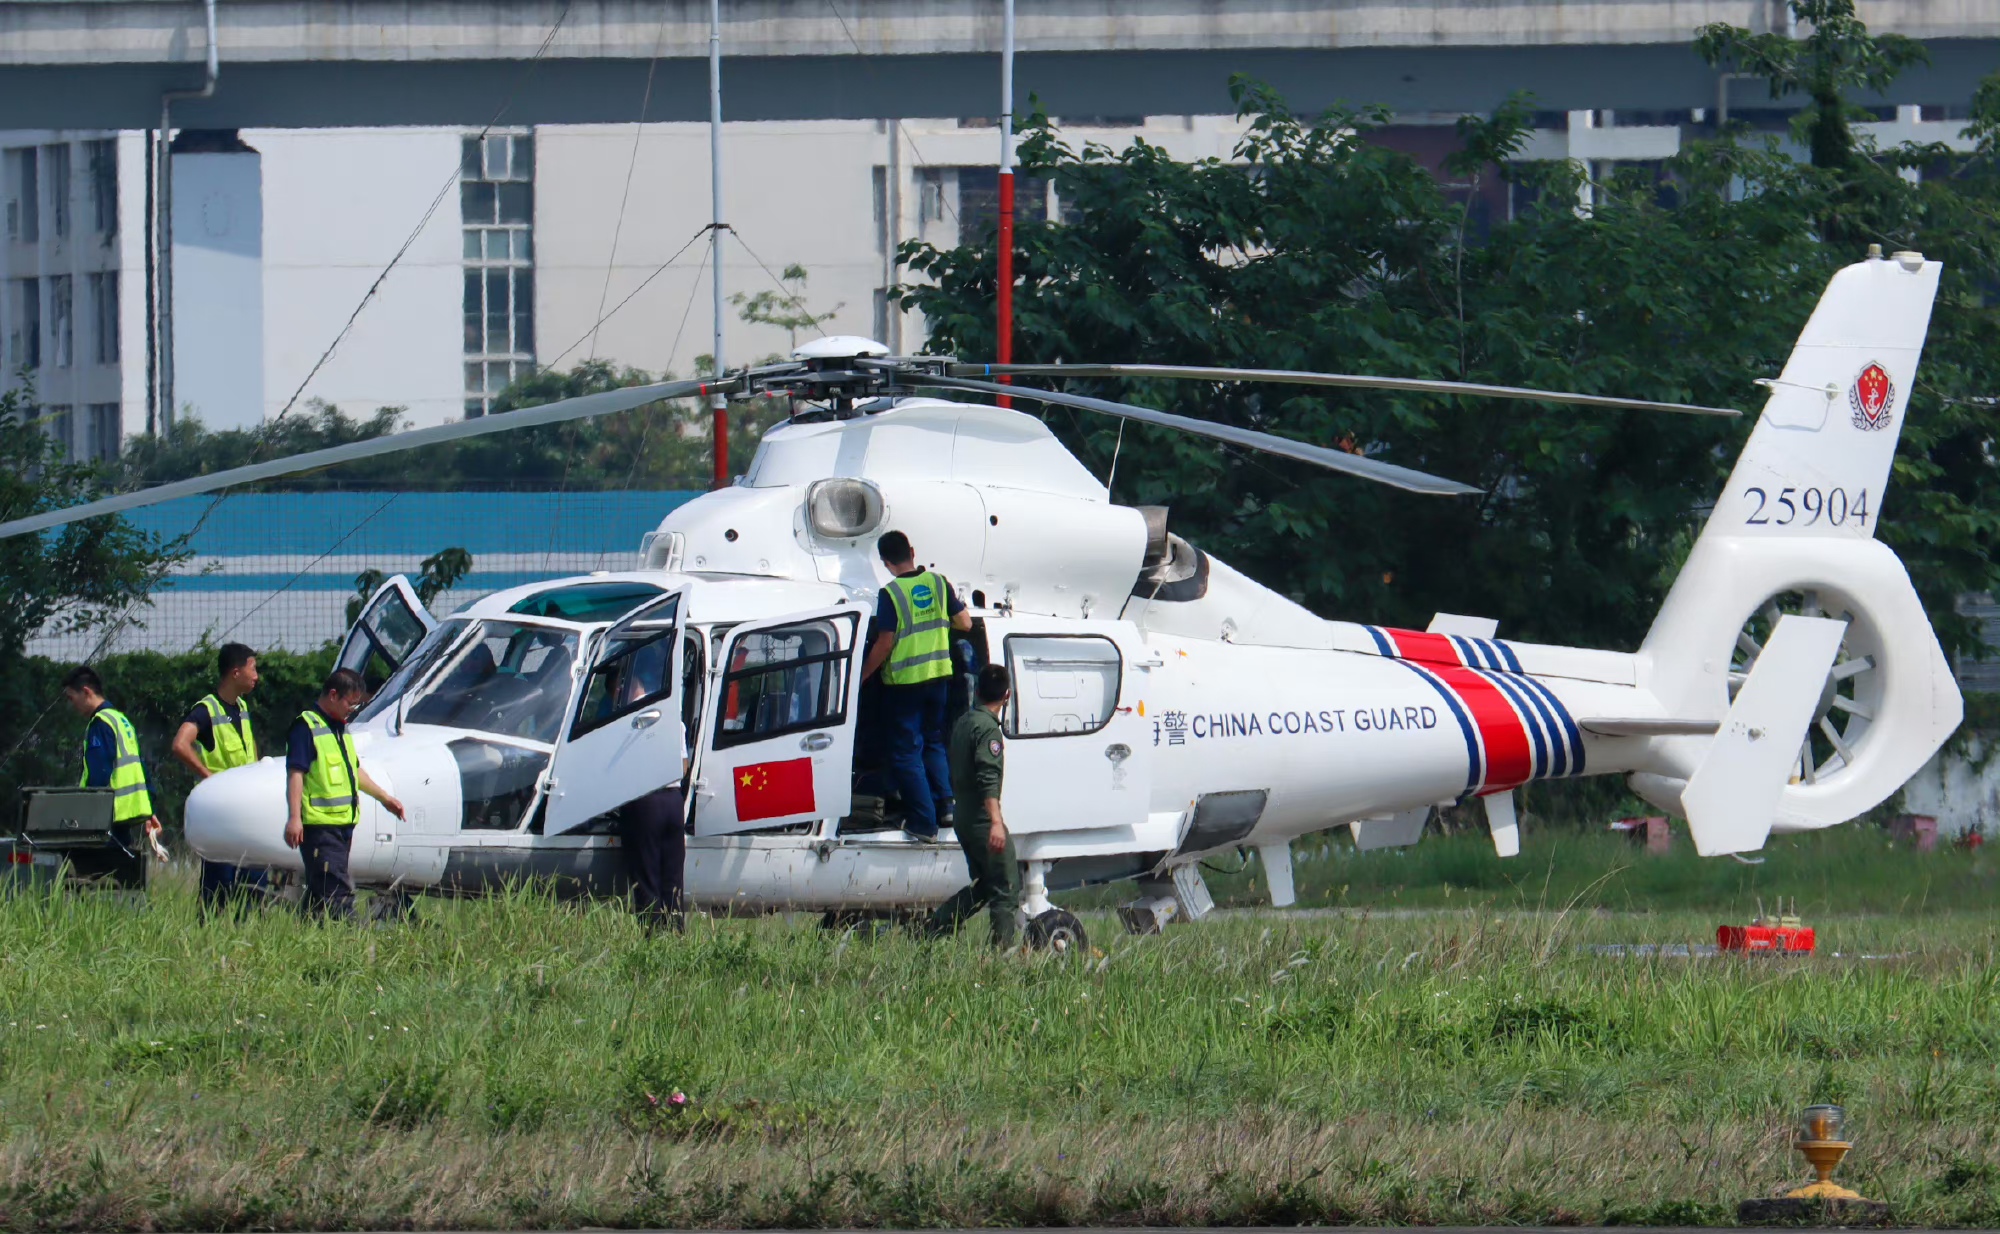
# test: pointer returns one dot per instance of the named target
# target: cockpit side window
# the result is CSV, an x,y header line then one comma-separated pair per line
x,y
508,679
414,669
634,672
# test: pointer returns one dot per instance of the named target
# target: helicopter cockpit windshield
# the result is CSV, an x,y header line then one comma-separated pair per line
x,y
511,679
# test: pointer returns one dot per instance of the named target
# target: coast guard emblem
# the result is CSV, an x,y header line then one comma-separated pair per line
x,y
1871,397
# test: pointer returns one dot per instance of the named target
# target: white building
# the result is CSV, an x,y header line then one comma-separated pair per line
x,y
525,249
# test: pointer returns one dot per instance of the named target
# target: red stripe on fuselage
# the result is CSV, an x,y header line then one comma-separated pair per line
x,y
1425,648
1509,758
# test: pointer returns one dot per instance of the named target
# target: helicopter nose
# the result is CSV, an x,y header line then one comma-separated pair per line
x,y
238,817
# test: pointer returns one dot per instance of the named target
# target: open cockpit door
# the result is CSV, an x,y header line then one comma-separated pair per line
x,y
627,737
779,743
388,629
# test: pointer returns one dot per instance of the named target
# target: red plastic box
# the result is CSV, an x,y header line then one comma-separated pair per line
x,y
1796,940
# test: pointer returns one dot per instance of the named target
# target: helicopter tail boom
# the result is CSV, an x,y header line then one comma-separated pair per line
x,y
1794,533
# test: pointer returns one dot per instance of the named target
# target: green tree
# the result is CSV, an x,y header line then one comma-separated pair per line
x,y
77,578
436,574
1336,253
784,307
82,578
1837,58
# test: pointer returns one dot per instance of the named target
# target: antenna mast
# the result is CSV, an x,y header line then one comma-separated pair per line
x,y
717,402
1003,350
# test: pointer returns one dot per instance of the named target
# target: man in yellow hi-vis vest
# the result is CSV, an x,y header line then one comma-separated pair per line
x,y
111,760
914,618
323,782
216,736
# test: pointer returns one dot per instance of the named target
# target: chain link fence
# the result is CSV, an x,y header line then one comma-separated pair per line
x,y
276,570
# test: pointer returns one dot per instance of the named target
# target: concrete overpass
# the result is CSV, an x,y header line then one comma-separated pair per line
x,y
309,63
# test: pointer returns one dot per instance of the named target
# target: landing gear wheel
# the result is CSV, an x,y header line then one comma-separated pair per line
x,y
390,908
1059,931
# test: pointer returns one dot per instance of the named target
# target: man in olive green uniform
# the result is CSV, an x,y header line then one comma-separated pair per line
x,y
978,758
324,780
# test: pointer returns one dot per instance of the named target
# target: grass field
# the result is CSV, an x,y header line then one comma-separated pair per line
x,y
512,1063
1843,869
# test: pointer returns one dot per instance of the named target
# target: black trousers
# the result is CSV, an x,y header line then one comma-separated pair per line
x,y
653,831
329,887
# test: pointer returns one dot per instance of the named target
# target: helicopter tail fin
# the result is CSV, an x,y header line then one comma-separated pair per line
x,y
1794,530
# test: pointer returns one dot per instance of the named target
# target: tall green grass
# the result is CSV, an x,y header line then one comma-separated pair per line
x,y
1857,868
512,1062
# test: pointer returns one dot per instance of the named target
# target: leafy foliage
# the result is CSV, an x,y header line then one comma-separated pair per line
x,y
46,740
784,309
75,578
1837,57
1317,247
436,575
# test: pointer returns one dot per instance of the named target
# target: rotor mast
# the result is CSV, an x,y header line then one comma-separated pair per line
x,y
1003,349
717,401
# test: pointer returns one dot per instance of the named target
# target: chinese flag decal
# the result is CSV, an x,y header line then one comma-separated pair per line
x,y
773,790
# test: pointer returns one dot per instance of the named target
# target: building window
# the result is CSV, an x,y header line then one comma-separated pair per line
x,y
979,201
496,200
24,196
104,317
56,427
61,313
106,428
103,187
24,339
56,172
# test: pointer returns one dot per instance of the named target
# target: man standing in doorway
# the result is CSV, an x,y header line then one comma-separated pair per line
x,y
323,778
111,760
978,763
914,617
216,736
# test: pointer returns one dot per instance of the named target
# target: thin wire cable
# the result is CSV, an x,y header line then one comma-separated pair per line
x,y
307,568
783,290
868,66
703,230
444,190
646,425
631,166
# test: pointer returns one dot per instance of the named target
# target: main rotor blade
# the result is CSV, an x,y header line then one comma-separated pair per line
x,y
1335,460
1417,385
580,408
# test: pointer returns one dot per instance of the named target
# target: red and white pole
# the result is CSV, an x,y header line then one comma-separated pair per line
x,y
1003,351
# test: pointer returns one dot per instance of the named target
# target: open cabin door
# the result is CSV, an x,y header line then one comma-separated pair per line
x,y
1079,753
387,630
779,747
627,737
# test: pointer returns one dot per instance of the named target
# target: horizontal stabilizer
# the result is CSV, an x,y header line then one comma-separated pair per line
x,y
1466,627
1733,795
1609,727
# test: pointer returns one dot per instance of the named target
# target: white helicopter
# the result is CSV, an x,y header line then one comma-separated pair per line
x,y
1166,708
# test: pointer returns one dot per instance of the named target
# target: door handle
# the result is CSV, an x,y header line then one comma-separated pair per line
x,y
646,719
816,741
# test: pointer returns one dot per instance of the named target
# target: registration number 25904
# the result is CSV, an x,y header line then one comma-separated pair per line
x,y
1807,506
